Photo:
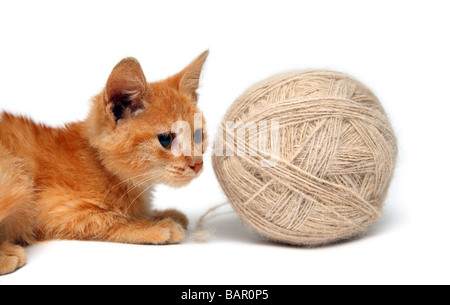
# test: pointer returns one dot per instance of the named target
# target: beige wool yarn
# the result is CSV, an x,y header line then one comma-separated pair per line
x,y
336,157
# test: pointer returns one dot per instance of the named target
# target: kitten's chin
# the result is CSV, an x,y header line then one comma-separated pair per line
x,y
179,181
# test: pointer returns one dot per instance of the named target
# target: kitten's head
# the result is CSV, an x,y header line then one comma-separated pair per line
x,y
149,132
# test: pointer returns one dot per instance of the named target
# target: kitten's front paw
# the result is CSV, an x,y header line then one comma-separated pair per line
x,y
178,217
175,215
170,231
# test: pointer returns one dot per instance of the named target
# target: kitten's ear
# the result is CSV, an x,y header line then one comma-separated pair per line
x,y
125,89
190,76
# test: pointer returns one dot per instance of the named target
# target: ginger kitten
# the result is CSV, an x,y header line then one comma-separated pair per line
x,y
92,180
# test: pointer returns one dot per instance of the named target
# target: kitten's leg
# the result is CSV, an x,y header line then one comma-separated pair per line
x,y
164,231
172,214
86,221
16,212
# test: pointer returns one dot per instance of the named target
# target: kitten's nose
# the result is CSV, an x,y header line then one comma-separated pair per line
x,y
196,167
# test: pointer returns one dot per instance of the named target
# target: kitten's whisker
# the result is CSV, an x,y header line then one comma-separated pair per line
x,y
136,185
146,189
124,181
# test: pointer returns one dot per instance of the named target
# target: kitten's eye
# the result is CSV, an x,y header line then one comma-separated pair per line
x,y
198,136
165,140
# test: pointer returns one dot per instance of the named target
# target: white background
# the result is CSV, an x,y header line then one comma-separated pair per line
x,y
55,55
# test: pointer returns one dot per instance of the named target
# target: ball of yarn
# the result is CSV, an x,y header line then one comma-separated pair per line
x,y
335,161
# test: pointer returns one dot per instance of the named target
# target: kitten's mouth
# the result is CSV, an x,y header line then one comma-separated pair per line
x,y
176,170
193,172
179,176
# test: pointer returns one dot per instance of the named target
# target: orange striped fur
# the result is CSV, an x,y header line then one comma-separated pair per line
x,y
92,180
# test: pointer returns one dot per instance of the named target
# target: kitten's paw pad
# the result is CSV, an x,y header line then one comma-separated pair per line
x,y
11,259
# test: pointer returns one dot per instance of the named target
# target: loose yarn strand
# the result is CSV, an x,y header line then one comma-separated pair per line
x,y
200,233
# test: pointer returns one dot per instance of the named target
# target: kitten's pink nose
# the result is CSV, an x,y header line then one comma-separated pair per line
x,y
196,167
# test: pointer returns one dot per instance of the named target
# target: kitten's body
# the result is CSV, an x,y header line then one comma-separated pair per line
x,y
91,180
